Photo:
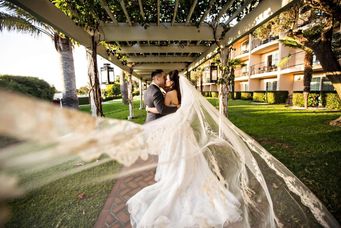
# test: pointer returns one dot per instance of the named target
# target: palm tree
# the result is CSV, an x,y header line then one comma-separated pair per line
x,y
308,64
16,19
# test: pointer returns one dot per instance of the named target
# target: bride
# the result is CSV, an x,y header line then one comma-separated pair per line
x,y
187,193
211,174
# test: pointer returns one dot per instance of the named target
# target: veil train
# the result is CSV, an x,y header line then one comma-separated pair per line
x,y
204,178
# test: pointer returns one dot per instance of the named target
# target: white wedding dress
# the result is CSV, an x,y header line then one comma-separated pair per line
x,y
187,193
209,173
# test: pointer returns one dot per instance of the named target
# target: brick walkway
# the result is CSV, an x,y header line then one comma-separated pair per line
x,y
115,213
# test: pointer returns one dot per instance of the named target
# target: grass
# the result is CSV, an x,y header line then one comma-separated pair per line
x,y
116,109
302,140
67,202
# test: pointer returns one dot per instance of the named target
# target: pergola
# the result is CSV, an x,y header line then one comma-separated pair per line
x,y
176,43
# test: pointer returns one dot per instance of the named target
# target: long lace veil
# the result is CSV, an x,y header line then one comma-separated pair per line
x,y
39,136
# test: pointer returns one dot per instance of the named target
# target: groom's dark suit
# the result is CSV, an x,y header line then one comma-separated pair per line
x,y
153,97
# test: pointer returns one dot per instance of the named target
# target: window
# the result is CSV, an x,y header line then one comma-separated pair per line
x,y
244,86
327,85
271,86
315,84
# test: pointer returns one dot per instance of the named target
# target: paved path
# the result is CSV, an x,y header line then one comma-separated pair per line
x,y
115,213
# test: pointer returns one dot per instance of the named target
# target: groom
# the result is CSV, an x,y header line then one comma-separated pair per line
x,y
153,97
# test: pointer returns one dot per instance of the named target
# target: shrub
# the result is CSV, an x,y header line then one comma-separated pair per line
x,y
83,100
84,90
237,95
298,99
28,85
332,101
111,90
276,97
214,94
259,96
246,95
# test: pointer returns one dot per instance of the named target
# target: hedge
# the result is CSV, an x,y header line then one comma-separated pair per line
x,y
83,100
28,85
259,96
246,95
276,97
330,100
237,95
215,94
333,101
270,97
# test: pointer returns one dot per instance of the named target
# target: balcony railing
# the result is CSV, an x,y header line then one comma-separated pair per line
x,y
240,72
296,59
262,68
239,52
257,42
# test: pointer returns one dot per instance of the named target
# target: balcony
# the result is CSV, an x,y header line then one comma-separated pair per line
x,y
237,54
240,72
295,62
260,47
262,68
256,42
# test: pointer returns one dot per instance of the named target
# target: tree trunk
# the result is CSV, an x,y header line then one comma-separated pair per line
x,y
232,83
130,97
201,83
328,61
95,90
223,89
64,47
308,72
124,89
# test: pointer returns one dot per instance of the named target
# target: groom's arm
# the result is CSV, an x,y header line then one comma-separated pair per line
x,y
159,104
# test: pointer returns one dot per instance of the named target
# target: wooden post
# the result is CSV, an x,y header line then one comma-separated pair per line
x,y
130,96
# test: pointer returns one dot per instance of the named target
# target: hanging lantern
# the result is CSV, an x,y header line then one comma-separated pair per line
x,y
107,74
213,73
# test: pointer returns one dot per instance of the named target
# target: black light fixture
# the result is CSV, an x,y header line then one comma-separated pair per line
x,y
213,73
107,74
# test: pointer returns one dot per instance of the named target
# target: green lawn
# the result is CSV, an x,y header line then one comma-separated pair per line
x,y
301,139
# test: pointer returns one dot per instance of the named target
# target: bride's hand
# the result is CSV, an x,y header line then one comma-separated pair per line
x,y
178,106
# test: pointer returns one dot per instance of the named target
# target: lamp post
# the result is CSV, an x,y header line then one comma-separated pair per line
x,y
107,74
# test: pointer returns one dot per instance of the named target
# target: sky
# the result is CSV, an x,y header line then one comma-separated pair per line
x,y
27,55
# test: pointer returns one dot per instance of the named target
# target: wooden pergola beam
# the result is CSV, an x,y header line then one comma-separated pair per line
x,y
160,59
163,49
240,9
163,66
106,8
123,6
188,20
223,10
141,9
175,11
179,32
206,12
158,12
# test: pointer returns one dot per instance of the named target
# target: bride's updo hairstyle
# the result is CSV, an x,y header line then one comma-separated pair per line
x,y
174,76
